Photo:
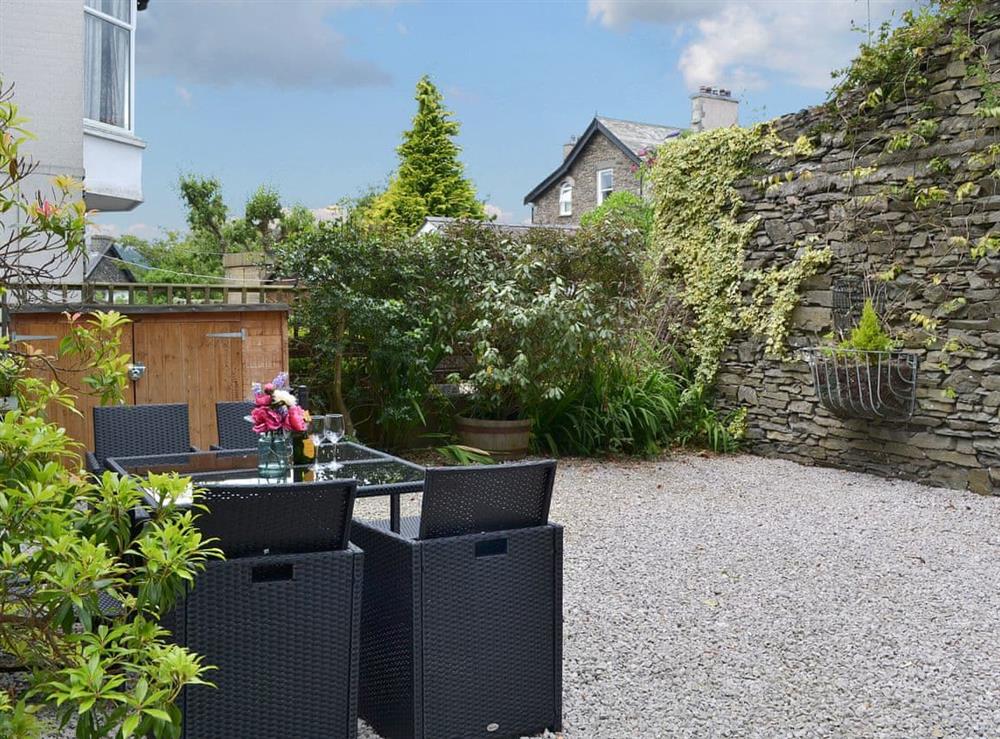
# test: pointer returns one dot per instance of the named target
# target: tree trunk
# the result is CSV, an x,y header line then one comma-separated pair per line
x,y
338,374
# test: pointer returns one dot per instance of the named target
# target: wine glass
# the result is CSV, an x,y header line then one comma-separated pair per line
x,y
334,432
317,432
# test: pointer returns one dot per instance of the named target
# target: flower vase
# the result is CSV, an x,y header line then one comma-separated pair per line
x,y
273,452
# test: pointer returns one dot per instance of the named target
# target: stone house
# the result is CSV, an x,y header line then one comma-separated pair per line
x,y
606,158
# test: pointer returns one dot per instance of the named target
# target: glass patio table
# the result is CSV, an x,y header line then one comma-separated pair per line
x,y
377,473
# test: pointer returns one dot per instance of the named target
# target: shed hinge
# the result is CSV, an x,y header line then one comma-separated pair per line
x,y
241,335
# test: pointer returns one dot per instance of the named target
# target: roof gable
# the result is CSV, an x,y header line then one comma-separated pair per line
x,y
633,139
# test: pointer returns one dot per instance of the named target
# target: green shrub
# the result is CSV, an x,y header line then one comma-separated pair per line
x,y
623,209
635,404
869,335
377,316
538,308
68,543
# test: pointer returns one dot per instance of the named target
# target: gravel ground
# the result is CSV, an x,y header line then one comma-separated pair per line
x,y
748,597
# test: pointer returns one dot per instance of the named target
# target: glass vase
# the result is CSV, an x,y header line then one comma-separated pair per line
x,y
274,449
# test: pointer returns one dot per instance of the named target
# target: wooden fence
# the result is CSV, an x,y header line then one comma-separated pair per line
x,y
198,343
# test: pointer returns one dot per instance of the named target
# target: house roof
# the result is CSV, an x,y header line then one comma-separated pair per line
x,y
101,248
639,137
436,224
632,137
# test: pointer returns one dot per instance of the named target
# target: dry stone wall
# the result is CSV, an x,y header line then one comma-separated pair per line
x,y
888,196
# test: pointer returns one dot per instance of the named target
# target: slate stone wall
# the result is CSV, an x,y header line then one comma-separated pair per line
x,y
874,221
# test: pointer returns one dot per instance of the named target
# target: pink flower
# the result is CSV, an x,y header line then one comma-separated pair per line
x,y
262,399
296,419
265,419
269,387
47,209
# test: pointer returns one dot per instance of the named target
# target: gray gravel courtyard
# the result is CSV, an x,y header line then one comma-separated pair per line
x,y
741,596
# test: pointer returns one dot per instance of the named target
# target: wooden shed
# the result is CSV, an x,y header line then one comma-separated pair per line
x,y
195,352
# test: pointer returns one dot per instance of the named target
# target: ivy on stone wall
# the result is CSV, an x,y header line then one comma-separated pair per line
x,y
699,245
776,294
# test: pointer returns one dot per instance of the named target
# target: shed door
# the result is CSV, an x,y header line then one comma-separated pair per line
x,y
190,360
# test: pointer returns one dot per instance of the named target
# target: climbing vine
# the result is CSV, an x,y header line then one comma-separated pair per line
x,y
700,241
776,294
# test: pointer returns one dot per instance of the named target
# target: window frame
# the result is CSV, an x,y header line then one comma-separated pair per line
x,y
566,188
600,191
128,26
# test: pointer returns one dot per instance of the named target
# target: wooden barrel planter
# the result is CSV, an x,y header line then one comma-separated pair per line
x,y
503,439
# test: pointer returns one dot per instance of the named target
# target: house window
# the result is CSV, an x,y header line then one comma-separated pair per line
x,y
605,184
108,59
566,199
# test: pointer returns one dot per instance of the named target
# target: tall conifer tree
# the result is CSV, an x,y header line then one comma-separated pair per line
x,y
431,180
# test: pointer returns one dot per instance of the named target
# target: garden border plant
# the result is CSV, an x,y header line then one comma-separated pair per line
x,y
67,543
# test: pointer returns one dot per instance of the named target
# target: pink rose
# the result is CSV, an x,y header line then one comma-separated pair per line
x,y
269,387
296,419
262,399
265,419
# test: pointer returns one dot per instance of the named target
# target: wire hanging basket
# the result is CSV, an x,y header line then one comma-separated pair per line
x,y
849,294
852,383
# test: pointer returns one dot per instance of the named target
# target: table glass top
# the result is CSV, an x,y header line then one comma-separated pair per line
x,y
372,469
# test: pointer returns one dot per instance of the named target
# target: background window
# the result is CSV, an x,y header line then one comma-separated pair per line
x,y
566,199
605,184
109,28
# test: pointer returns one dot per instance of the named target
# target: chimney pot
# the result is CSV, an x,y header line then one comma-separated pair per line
x,y
568,146
713,107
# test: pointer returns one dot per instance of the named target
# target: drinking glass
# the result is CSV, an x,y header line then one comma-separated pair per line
x,y
334,432
317,432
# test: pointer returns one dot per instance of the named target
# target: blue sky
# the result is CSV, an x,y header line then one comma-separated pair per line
x,y
311,96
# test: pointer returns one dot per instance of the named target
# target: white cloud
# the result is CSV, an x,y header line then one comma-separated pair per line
x,y
498,214
743,45
286,45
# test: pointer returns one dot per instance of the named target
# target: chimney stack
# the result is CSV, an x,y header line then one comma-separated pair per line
x,y
713,107
568,146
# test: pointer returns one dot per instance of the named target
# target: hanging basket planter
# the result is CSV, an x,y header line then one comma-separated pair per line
x,y
864,384
849,294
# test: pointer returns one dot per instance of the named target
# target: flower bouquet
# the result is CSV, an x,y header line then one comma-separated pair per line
x,y
275,414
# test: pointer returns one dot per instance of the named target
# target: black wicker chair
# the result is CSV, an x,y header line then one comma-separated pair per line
x,y
235,432
282,628
135,430
461,617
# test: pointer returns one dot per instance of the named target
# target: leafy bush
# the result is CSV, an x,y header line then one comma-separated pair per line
x,y
623,209
635,404
67,544
67,547
621,407
538,308
375,315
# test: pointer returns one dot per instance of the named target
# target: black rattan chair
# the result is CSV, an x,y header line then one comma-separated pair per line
x,y
235,432
282,628
461,618
252,520
135,430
